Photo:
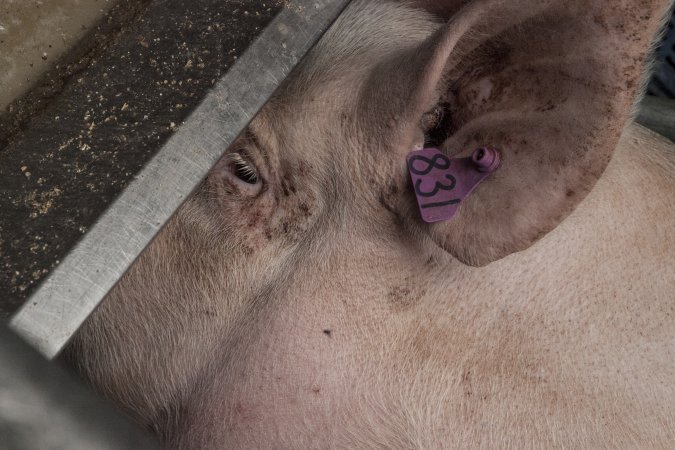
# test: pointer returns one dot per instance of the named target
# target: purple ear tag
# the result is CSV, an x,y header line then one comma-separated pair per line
x,y
442,183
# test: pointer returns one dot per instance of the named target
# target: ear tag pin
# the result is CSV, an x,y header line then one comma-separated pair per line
x,y
442,183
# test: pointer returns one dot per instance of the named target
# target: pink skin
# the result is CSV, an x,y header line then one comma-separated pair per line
x,y
311,307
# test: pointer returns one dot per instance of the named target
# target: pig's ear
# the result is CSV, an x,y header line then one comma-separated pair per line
x,y
549,83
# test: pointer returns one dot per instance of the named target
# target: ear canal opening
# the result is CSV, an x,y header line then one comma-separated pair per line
x,y
437,125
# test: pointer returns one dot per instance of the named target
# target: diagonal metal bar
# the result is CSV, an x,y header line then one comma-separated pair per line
x,y
42,406
73,290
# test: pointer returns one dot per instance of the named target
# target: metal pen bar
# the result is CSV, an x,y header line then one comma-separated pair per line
x,y
658,114
73,290
43,406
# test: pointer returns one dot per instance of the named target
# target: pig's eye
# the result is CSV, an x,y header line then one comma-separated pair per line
x,y
437,125
243,169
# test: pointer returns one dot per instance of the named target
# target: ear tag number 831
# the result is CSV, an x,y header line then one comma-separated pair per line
x,y
442,183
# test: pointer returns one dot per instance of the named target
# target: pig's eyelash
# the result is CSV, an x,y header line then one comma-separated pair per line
x,y
243,169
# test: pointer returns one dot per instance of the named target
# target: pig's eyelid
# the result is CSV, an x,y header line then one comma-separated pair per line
x,y
254,142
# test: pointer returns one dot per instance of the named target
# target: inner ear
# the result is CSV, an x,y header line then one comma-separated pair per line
x,y
445,9
549,83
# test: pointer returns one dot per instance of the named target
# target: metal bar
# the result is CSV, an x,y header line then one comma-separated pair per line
x,y
71,292
41,407
658,114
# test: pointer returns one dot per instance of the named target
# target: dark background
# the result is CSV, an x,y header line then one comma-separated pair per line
x,y
662,83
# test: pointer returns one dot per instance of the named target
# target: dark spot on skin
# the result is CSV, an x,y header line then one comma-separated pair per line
x,y
549,106
601,22
327,332
303,169
466,382
569,193
304,209
316,389
401,298
255,217
540,233
239,408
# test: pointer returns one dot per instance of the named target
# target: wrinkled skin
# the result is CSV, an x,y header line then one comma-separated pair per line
x,y
313,308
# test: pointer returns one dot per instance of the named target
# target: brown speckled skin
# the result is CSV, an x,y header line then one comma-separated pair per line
x,y
217,336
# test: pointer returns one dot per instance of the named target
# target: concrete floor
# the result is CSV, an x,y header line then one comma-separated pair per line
x,y
35,33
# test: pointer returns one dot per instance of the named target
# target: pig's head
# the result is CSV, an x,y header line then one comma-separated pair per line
x,y
322,169
550,83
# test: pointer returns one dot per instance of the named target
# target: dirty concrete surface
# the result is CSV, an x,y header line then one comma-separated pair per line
x,y
107,112
34,34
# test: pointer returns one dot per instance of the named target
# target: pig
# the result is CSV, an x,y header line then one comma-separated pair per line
x,y
297,300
